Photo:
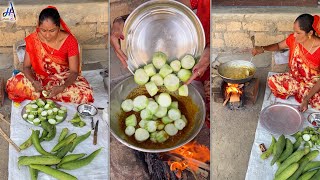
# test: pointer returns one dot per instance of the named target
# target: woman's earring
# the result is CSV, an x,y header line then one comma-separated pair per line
x,y
309,37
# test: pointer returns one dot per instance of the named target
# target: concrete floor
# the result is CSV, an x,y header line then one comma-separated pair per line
x,y
93,59
233,131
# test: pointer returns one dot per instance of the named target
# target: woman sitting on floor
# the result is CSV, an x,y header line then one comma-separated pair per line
x,y
302,81
51,64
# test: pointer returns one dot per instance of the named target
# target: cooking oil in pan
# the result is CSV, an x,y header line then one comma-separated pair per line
x,y
186,106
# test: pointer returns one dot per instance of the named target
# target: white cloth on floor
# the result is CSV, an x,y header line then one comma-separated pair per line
x,y
98,169
281,57
261,169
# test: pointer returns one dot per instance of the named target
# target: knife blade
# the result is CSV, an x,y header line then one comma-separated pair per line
x,y
92,123
95,134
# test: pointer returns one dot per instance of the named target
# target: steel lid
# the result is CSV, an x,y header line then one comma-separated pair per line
x,y
281,119
161,25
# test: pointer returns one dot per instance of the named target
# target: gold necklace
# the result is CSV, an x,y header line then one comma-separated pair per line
x,y
309,49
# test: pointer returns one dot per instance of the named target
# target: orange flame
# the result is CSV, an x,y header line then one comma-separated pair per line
x,y
193,153
233,88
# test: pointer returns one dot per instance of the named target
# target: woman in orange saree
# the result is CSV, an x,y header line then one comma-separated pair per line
x,y
51,64
302,81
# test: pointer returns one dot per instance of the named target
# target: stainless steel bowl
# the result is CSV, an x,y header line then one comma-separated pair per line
x,y
314,119
161,25
281,119
87,110
120,92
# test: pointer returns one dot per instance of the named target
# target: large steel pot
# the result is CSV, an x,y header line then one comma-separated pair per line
x,y
236,64
127,88
161,25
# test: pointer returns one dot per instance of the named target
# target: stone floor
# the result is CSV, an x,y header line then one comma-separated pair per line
x,y
93,59
233,131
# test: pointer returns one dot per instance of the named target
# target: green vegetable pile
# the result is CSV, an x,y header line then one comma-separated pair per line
x,y
48,133
40,110
160,118
58,156
294,163
310,136
160,73
77,121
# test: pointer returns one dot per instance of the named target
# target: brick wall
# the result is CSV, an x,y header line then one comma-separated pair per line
x,y
123,7
232,28
88,21
265,3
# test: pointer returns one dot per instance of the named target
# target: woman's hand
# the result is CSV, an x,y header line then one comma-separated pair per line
x,y
55,91
304,105
115,36
200,68
37,86
257,50
198,71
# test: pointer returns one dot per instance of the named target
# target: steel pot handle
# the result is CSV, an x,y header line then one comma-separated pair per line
x,y
253,41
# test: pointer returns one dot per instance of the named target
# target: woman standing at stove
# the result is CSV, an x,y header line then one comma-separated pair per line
x,y
303,79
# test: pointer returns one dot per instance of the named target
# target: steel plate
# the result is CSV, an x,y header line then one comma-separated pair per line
x,y
161,25
281,119
57,105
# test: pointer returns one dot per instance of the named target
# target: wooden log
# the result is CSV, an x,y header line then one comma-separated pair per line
x,y
156,168
235,97
4,135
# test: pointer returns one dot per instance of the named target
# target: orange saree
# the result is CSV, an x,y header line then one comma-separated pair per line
x,y
51,68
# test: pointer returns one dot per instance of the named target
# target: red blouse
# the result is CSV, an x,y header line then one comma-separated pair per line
x,y
68,48
312,60
203,13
